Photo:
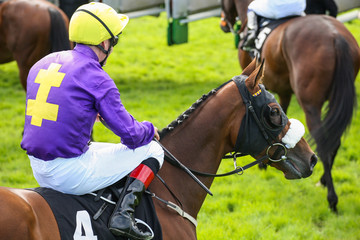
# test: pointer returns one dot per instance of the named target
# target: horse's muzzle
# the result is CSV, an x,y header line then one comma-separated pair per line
x,y
313,161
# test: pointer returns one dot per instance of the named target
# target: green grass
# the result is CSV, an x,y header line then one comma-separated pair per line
x,y
157,83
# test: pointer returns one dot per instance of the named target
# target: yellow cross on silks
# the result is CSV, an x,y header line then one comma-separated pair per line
x,y
39,109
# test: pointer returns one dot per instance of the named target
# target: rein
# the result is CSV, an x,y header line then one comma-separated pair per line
x,y
180,165
238,169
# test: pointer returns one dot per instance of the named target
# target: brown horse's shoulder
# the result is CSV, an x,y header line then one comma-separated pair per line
x,y
28,214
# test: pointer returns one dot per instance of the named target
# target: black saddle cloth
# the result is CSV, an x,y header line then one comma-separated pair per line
x,y
266,26
75,215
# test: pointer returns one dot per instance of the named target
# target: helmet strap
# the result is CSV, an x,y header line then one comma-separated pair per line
x,y
107,52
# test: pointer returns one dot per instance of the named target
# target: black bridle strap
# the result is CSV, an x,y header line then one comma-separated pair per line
x,y
236,171
183,167
249,107
261,127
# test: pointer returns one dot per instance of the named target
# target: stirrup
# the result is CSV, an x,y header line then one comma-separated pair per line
x,y
146,225
248,45
121,233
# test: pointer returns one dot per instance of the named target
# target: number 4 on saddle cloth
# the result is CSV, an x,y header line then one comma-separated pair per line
x,y
266,26
75,214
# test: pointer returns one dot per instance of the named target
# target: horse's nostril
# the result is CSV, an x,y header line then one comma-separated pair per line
x,y
313,161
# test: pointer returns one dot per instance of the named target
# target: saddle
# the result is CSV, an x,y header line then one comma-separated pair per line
x,y
266,26
87,216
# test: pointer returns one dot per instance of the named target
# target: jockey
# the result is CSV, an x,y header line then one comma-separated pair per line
x,y
271,9
321,7
66,92
69,6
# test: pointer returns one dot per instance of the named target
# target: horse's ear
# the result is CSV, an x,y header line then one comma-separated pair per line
x,y
250,68
260,73
255,77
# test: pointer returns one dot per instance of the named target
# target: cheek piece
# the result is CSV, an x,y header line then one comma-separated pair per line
x,y
294,134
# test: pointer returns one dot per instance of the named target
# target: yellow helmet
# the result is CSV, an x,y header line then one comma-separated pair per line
x,y
94,23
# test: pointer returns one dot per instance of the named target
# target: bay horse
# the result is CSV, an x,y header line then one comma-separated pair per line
x,y
29,30
199,139
316,58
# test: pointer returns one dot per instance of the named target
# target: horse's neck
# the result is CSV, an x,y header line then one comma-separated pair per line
x,y
242,8
201,142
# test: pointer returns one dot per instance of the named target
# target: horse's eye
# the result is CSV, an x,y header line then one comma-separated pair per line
x,y
272,117
275,116
274,112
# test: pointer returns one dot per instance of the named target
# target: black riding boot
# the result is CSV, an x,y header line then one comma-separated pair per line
x,y
252,27
122,221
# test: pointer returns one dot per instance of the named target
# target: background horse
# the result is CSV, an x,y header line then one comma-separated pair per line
x,y
199,138
232,12
29,30
316,58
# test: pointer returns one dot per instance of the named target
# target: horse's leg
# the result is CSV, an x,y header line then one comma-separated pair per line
x,y
23,72
5,54
313,120
25,58
244,58
285,101
326,179
312,110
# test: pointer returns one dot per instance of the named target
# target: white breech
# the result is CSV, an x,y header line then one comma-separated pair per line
x,y
102,165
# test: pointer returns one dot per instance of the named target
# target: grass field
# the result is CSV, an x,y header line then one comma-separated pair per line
x,y
157,83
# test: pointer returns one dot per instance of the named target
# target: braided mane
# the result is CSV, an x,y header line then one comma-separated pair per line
x,y
187,113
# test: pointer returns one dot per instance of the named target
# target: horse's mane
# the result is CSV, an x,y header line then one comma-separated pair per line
x,y
187,113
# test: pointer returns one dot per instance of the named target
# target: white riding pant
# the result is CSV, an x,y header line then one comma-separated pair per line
x,y
275,9
102,165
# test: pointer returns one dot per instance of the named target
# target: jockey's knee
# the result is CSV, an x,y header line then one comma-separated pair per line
x,y
157,152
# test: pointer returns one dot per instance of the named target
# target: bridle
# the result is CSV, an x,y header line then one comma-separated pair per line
x,y
268,133
280,146
235,31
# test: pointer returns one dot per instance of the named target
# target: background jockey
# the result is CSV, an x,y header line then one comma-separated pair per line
x,y
271,9
321,7
66,91
70,6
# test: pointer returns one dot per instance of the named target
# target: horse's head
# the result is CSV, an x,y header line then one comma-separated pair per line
x,y
231,10
267,133
228,15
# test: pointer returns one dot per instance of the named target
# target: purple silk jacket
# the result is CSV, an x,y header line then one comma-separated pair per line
x,y
65,92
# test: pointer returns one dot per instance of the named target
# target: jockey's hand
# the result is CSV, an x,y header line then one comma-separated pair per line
x,y
156,135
